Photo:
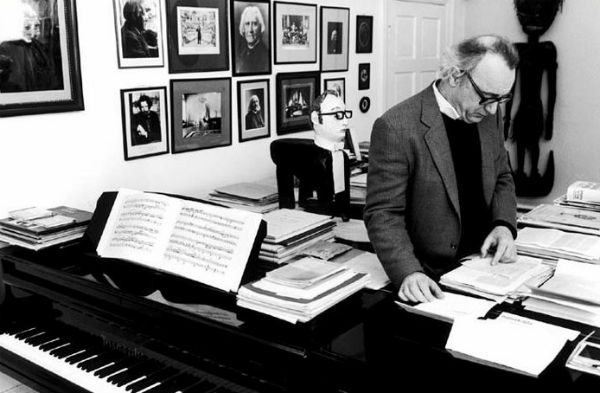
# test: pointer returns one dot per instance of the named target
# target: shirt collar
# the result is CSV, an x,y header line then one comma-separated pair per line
x,y
444,105
327,144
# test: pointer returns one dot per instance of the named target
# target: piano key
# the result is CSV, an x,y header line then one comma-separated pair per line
x,y
60,342
28,333
134,371
98,361
166,384
117,367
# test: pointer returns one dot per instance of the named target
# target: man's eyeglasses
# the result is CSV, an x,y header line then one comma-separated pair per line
x,y
487,98
339,114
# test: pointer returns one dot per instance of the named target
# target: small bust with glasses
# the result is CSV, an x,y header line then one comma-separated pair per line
x,y
330,120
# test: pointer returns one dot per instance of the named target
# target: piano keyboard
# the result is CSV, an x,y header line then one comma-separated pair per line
x,y
84,361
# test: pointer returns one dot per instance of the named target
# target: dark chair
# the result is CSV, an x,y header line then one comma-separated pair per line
x,y
312,166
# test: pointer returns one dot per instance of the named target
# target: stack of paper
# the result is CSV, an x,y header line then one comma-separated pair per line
x,y
301,290
451,307
563,217
258,198
572,293
554,244
496,282
358,188
36,228
509,342
289,232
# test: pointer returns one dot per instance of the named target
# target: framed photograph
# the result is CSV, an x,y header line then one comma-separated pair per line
x,y
295,94
201,114
138,25
364,76
39,57
144,114
364,34
336,84
197,35
251,37
253,110
295,33
335,23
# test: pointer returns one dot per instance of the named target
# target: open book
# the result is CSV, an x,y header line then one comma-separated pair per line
x,y
204,243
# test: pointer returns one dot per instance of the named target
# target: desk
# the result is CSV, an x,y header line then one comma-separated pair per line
x,y
365,344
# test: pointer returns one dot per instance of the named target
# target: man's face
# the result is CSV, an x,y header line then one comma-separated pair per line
x,y
251,30
147,11
254,105
331,128
31,29
144,107
492,76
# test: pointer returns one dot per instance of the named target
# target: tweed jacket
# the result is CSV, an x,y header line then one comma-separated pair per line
x,y
412,210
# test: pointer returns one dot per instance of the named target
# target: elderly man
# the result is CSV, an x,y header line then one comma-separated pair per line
x,y
254,118
439,186
136,40
252,54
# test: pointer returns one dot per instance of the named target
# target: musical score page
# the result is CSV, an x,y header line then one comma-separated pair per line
x,y
201,242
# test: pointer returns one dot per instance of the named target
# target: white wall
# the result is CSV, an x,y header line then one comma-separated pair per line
x,y
576,34
70,158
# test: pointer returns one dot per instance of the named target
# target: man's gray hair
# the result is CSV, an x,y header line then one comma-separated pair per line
x,y
249,12
468,53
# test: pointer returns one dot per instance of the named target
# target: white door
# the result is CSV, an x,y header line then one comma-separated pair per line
x,y
416,37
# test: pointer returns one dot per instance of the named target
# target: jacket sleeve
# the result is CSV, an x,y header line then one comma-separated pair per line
x,y
385,207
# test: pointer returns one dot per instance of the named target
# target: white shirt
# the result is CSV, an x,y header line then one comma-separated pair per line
x,y
444,105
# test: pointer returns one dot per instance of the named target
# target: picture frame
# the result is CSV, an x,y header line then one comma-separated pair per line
x,y
364,34
253,109
335,23
295,33
200,113
251,37
135,49
54,84
364,76
336,84
145,123
295,94
198,35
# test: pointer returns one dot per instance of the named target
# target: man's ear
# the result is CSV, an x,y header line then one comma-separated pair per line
x,y
455,75
315,118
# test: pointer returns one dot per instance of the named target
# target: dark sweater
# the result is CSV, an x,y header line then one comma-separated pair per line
x,y
466,156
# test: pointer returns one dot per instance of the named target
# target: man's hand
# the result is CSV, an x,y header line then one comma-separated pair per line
x,y
141,132
500,239
419,288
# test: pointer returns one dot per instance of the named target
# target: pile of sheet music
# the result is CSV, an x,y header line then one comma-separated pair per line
x,y
567,218
301,290
583,195
254,197
572,293
553,244
478,276
289,232
36,228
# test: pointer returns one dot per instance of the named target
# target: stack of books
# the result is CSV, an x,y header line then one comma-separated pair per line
x,y
554,244
364,149
358,188
289,232
566,218
299,291
583,195
254,197
36,228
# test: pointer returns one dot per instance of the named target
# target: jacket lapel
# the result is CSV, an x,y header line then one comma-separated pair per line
x,y
439,146
487,138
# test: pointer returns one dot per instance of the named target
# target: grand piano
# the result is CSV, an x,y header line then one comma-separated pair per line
x,y
73,322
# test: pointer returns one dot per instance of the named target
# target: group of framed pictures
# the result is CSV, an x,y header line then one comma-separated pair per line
x,y
197,35
197,41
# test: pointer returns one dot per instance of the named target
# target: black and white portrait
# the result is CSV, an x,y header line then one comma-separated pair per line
x,y
338,85
139,33
144,121
30,50
297,98
334,37
197,30
253,109
201,114
251,37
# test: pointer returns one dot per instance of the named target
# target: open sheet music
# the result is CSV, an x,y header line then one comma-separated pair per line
x,y
205,243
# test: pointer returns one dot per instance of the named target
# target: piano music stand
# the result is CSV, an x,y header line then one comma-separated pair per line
x,y
312,166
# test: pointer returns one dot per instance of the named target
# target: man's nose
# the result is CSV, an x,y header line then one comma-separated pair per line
x,y
491,108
